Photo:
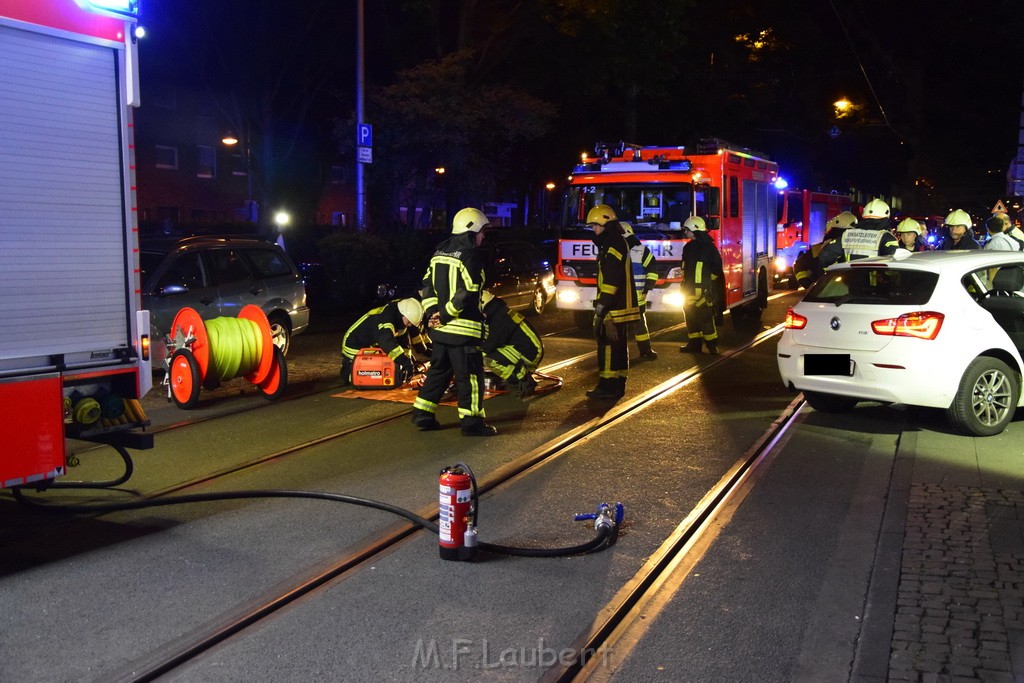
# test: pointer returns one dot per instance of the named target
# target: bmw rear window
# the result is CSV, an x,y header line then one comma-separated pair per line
x,y
868,285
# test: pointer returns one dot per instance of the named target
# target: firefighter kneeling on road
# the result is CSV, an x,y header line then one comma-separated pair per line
x,y
392,327
512,347
702,269
616,305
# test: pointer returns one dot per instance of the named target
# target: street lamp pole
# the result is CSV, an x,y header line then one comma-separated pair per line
x,y
360,182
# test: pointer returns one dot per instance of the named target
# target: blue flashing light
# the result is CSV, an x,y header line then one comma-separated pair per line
x,y
781,183
124,8
684,165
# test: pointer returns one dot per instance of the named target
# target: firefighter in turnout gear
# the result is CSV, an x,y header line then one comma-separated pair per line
x,y
872,236
806,267
645,277
451,301
702,271
961,235
616,305
392,327
512,348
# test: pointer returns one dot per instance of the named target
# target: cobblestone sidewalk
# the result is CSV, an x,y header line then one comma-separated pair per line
x,y
960,606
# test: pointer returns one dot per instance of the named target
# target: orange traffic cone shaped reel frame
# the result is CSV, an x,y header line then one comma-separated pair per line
x,y
209,352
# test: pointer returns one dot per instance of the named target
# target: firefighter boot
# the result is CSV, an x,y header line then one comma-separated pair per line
x,y
692,346
346,372
425,421
646,351
713,349
608,389
526,385
475,426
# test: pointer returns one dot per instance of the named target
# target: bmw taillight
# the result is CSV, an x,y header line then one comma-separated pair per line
x,y
795,321
924,325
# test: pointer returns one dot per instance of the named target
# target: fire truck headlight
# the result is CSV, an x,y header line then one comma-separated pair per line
x,y
673,299
568,296
675,274
780,264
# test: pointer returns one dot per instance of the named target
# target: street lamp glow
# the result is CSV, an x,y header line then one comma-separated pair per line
x,y
230,140
550,186
439,170
282,219
842,104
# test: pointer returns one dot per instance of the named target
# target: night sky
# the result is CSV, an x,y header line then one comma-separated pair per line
x,y
937,93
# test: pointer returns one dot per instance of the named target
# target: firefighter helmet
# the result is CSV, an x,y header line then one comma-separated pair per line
x,y
909,225
627,229
959,217
601,214
486,297
411,309
876,208
694,224
842,221
469,220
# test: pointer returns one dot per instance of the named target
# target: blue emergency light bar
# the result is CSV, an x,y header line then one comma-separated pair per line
x,y
124,8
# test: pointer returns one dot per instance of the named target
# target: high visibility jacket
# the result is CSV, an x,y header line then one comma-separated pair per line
x,y
645,272
702,267
451,288
508,328
857,243
616,293
381,327
806,267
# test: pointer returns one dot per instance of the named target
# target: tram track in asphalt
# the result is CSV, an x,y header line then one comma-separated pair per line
x,y
192,645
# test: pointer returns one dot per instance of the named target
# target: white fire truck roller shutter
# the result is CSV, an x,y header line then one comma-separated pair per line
x,y
63,270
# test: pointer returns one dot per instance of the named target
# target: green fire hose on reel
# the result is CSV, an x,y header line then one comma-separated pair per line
x,y
206,353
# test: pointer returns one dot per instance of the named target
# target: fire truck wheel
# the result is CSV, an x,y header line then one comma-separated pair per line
x,y
185,382
274,385
280,333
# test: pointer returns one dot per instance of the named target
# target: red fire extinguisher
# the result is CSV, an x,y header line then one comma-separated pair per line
x,y
457,534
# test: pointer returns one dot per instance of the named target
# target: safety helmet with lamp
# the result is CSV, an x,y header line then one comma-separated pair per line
x,y
909,225
695,224
412,310
959,217
601,214
469,220
876,208
842,221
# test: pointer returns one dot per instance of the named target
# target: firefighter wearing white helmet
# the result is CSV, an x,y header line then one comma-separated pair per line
x,y
616,306
513,349
394,328
871,236
451,302
645,277
961,237
910,234
702,277
806,267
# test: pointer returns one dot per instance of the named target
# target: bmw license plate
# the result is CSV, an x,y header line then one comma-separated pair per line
x,y
828,364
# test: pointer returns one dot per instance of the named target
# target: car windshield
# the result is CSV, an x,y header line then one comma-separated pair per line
x,y
148,262
869,285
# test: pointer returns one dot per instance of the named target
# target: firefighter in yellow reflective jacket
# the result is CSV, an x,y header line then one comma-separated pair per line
x,y
702,271
616,307
512,348
806,267
645,277
451,302
871,236
392,328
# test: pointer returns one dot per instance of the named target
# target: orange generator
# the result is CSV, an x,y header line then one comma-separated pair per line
x,y
372,369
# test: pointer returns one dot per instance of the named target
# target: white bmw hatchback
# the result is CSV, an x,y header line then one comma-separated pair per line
x,y
940,329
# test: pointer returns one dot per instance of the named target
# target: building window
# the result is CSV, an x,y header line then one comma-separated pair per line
x,y
166,157
207,166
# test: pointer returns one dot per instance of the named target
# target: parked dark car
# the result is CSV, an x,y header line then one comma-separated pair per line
x,y
217,276
519,273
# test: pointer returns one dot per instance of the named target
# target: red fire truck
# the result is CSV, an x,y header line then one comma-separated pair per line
x,y
655,189
802,215
74,353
